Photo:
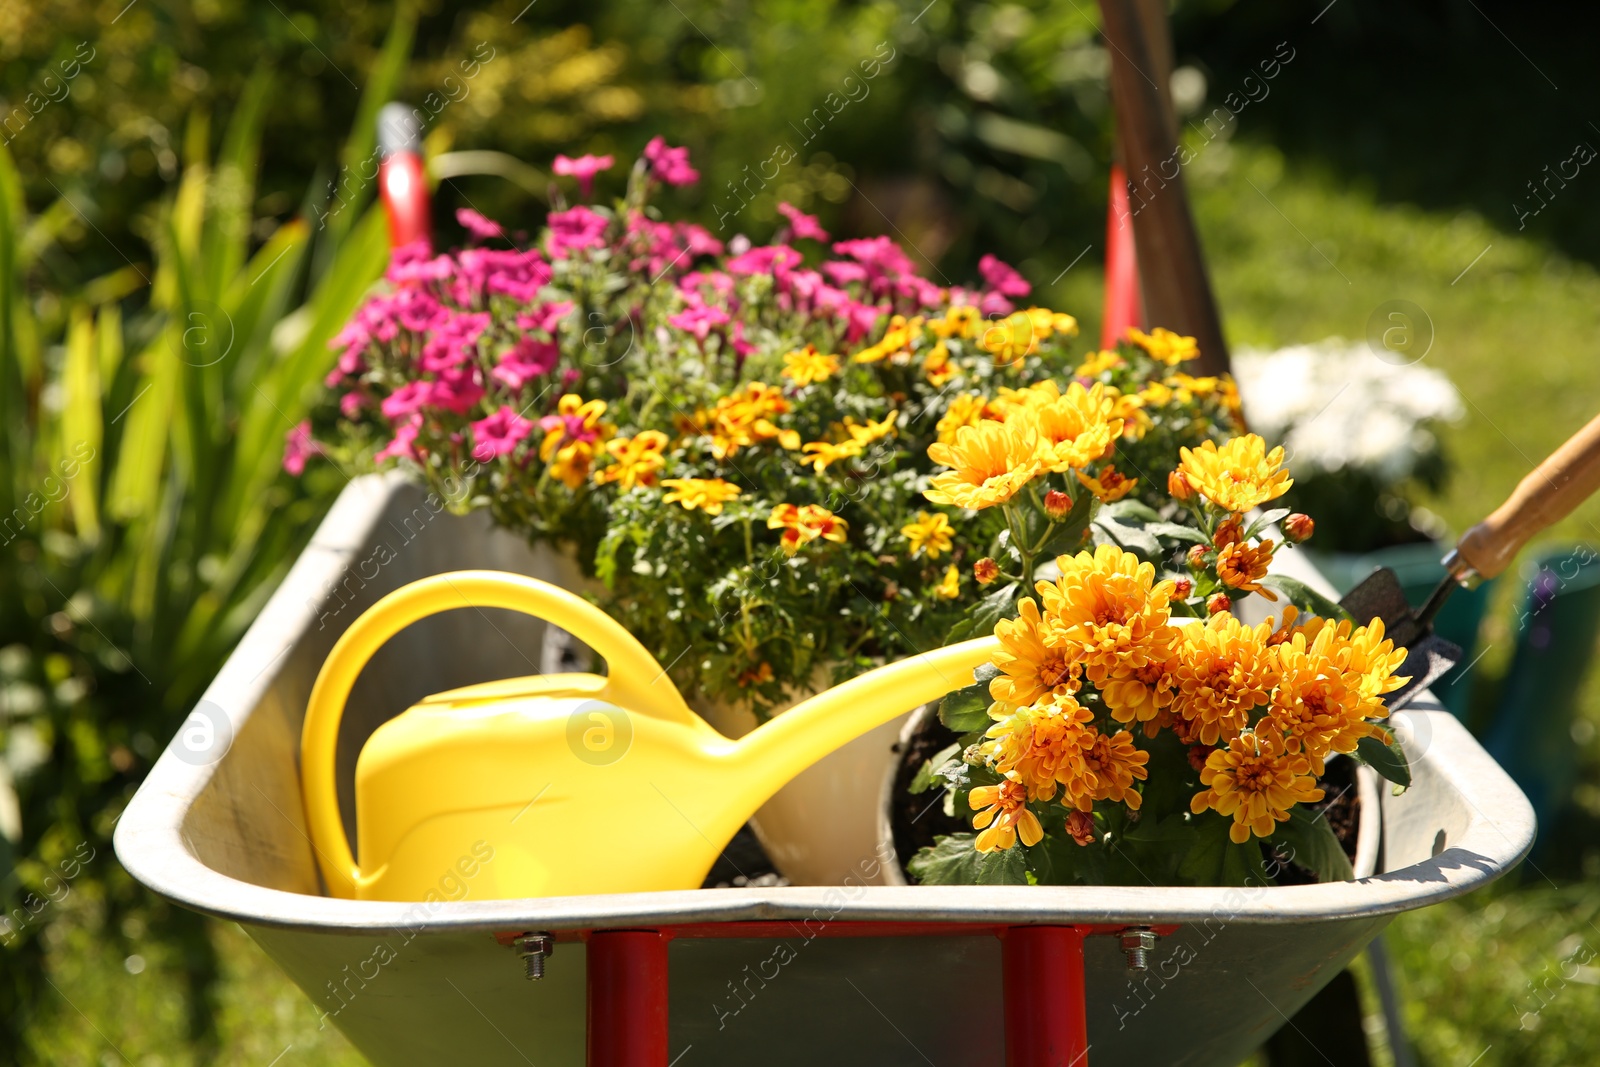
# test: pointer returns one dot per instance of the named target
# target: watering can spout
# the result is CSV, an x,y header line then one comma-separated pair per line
x,y
780,749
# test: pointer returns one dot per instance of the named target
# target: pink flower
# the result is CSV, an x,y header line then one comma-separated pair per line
x,y
545,318
699,320
844,272
299,447
584,168
878,254
698,240
576,228
477,225
350,404
526,360
404,445
1000,277
671,165
994,305
767,259
802,225
499,434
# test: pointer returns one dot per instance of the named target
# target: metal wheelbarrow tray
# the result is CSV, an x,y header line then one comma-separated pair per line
x,y
852,974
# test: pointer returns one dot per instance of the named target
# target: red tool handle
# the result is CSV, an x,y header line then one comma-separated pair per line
x,y
402,179
1123,307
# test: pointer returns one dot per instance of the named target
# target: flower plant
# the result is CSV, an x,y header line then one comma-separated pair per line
x,y
775,459
1113,740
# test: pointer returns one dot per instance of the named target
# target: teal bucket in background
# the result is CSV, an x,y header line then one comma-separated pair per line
x,y
1419,569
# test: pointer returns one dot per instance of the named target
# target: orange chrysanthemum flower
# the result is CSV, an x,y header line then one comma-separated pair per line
x,y
1043,747
1225,670
1114,764
1111,485
1109,610
1080,826
1256,780
1142,694
1003,809
1031,669
1243,567
989,462
1239,476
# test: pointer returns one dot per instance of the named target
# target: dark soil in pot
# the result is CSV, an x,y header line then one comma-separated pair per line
x,y
918,818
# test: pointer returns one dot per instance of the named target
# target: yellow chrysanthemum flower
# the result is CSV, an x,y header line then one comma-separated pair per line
x,y
1110,485
938,367
1075,428
1129,407
950,587
1003,809
1098,363
1225,670
744,418
930,532
705,494
1031,669
1108,609
1011,340
896,342
1164,345
1239,476
965,409
637,459
869,431
1256,780
807,366
1042,747
989,462
960,321
1242,567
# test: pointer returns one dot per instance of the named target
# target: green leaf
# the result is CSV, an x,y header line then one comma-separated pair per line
x,y
1389,760
966,710
1304,597
1267,519
982,616
928,776
1135,539
1173,531
955,860
1129,508
1313,845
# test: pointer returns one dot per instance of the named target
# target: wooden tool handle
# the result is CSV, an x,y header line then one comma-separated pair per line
x,y
1559,484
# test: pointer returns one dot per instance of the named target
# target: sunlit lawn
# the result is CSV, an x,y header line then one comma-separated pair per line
x,y
1295,257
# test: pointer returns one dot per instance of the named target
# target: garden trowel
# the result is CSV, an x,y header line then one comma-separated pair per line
x,y
1566,479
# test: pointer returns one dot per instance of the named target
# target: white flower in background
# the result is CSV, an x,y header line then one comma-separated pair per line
x,y
1334,405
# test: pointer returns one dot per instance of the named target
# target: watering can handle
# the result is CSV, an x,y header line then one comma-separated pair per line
x,y
635,680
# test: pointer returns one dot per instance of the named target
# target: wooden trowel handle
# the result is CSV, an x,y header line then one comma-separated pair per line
x,y
1563,481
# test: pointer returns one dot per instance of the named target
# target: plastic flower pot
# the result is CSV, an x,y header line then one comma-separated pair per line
x,y
218,827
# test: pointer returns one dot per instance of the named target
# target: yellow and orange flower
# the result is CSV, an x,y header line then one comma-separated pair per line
x,y
1080,827
1239,476
744,418
966,409
896,342
1043,747
1242,567
1111,484
804,524
960,321
823,454
807,366
867,432
1256,780
1225,670
702,494
937,365
950,586
1003,816
1115,764
930,532
1031,669
1143,694
1165,346
1098,363
637,460
989,462
1109,610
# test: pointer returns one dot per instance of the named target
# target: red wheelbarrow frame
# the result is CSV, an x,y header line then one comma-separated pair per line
x,y
1046,1021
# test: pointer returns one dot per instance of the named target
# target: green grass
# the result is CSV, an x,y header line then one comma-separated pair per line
x,y
1516,334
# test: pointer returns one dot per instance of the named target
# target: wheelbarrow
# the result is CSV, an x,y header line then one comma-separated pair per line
x,y
852,973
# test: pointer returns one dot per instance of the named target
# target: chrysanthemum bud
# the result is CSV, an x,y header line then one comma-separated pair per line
x,y
1298,527
986,570
1080,824
1178,486
1218,603
1198,755
1229,531
1197,556
1057,504
1182,588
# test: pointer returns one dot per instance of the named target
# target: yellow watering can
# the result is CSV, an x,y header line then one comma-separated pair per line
x,y
563,784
